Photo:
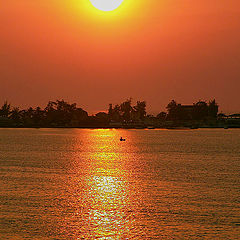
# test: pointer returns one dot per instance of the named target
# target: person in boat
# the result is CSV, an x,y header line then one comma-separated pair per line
x,y
122,139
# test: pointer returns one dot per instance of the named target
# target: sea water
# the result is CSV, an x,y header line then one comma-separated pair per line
x,y
87,184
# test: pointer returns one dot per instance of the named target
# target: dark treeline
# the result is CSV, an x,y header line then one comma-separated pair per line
x,y
60,113
198,111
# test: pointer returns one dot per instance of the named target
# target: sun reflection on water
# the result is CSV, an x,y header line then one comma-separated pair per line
x,y
108,213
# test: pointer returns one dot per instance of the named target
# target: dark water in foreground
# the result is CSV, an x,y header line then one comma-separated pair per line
x,y
86,184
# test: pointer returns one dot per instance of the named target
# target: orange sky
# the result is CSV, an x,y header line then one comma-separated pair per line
x,y
153,50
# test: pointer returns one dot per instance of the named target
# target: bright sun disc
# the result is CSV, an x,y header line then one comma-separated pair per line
x,y
106,5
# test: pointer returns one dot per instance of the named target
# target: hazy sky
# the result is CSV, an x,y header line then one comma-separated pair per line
x,y
153,50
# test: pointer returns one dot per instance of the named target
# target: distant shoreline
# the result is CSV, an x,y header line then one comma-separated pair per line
x,y
61,114
127,128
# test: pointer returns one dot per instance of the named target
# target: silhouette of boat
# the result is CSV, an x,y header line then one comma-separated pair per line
x,y
122,139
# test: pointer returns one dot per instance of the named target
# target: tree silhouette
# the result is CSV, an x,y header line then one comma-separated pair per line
x,y
162,116
5,109
140,109
15,115
213,108
115,114
173,109
60,113
126,109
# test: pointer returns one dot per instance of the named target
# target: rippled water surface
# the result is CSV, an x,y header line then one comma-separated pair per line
x,y
86,184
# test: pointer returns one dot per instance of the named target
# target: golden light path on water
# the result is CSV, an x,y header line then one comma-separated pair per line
x,y
106,200
107,187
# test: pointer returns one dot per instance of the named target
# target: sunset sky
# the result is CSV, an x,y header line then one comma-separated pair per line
x,y
153,50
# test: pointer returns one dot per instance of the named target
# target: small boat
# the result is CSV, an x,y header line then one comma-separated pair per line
x,y
122,139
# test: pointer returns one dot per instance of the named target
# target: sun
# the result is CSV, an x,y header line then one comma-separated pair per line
x,y
106,5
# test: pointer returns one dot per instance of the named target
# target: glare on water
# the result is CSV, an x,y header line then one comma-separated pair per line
x,y
106,201
87,184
